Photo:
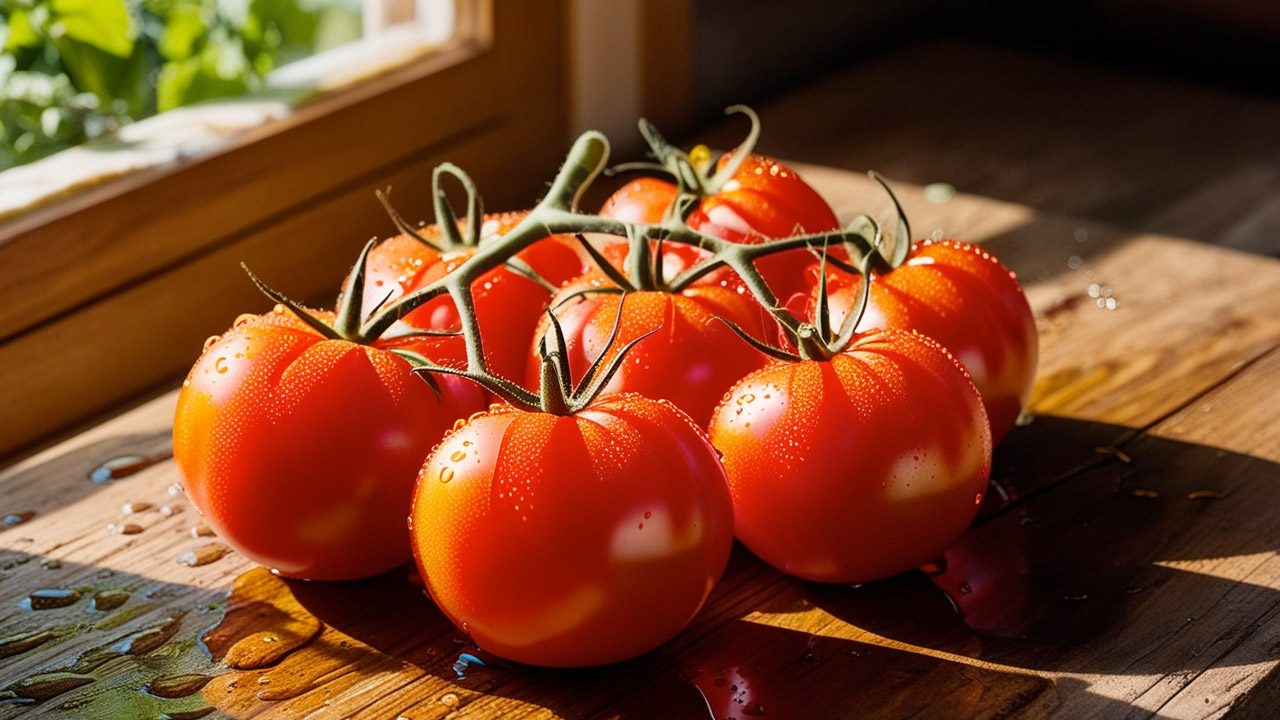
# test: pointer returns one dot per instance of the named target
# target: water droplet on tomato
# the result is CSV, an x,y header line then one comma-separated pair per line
x,y
220,365
977,499
208,343
748,398
458,456
647,515
446,474
965,588
243,318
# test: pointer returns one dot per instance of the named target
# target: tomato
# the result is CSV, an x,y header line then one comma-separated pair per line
x,y
857,468
764,199
575,540
691,361
301,451
508,305
963,297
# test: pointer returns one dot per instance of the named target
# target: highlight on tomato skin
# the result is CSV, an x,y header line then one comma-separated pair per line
x,y
962,296
858,468
301,452
576,540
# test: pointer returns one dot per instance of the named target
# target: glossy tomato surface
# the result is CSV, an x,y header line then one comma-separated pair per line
x,y
764,199
966,299
508,305
567,541
859,468
301,452
691,360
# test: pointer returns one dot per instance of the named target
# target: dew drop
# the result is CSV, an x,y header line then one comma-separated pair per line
x,y
965,588
446,474
203,555
109,600
18,518
209,341
47,599
220,365
458,456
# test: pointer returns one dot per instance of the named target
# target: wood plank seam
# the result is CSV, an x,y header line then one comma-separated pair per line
x,y
1131,436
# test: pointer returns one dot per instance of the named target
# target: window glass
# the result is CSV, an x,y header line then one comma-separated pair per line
x,y
75,70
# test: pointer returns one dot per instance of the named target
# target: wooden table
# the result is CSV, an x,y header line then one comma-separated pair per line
x,y
1125,564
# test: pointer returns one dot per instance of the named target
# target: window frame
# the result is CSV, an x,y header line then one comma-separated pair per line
x,y
107,294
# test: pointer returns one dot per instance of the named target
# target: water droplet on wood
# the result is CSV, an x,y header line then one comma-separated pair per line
x,y
47,685
1205,495
172,687
109,600
203,555
125,465
49,598
22,642
15,519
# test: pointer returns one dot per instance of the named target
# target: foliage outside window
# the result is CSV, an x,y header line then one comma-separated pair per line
x,y
74,70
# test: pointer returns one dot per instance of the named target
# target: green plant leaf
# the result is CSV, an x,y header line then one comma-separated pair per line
x,y
183,29
21,33
104,24
214,73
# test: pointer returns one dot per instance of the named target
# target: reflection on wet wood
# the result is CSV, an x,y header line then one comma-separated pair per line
x,y
1123,564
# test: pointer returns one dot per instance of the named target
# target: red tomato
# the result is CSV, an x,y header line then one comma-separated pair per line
x,y
508,305
763,200
859,468
568,541
963,297
691,361
301,451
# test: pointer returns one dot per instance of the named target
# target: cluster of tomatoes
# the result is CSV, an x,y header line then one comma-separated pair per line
x,y
702,359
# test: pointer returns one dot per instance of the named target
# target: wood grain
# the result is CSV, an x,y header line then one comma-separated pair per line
x,y
1139,581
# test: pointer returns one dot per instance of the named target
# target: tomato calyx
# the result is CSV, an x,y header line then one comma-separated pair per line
x,y
695,174
814,339
453,238
346,324
557,393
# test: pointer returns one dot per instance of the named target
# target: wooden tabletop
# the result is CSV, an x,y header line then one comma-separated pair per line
x,y
1124,564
